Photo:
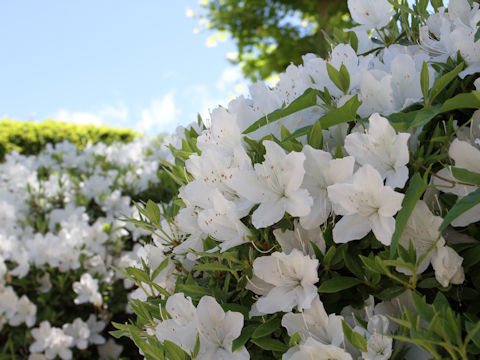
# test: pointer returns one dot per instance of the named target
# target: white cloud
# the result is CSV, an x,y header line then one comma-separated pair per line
x,y
108,115
161,116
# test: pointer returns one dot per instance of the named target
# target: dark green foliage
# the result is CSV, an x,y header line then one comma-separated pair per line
x,y
269,34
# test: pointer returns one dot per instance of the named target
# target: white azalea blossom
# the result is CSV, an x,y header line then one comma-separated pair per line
x,y
448,266
179,328
422,231
366,204
300,239
322,171
370,13
315,323
87,290
312,349
466,156
382,148
217,331
284,281
275,184
222,222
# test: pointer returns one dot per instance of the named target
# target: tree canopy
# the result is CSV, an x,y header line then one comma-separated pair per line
x,y
271,34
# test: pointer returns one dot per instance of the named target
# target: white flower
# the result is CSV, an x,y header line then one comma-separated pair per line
x,y
79,331
370,13
179,329
448,266
300,239
217,331
275,184
25,312
379,346
466,156
109,350
366,204
52,341
313,349
87,290
315,323
320,172
285,281
95,327
382,148
222,222
422,230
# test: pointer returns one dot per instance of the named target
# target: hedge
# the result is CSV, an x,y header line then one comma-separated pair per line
x,y
29,138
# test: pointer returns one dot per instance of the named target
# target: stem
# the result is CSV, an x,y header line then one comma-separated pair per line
x,y
453,182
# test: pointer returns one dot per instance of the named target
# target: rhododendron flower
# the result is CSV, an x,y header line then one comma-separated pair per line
x,y
52,341
315,323
179,329
217,331
382,148
366,204
87,290
222,222
370,13
275,184
320,172
448,266
284,281
466,156
313,349
300,239
79,331
379,346
422,231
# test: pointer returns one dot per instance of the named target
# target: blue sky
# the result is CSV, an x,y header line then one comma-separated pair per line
x,y
119,62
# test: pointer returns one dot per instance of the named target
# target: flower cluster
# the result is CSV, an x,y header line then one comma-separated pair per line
x,y
60,234
335,215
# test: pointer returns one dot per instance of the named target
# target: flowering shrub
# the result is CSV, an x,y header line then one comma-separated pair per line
x,y
60,234
334,216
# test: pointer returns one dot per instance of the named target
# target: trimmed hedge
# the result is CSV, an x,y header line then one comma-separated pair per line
x,y
30,138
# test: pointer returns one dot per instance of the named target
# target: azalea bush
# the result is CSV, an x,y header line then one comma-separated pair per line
x,y
333,216
60,238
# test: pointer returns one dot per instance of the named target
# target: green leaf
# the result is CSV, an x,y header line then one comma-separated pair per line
x,y
173,351
315,136
267,328
268,343
423,309
346,113
247,332
390,293
338,283
415,190
443,81
194,290
341,78
354,338
466,176
461,206
213,267
147,348
297,133
141,275
306,100
425,115
425,81
462,101
159,268
471,257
